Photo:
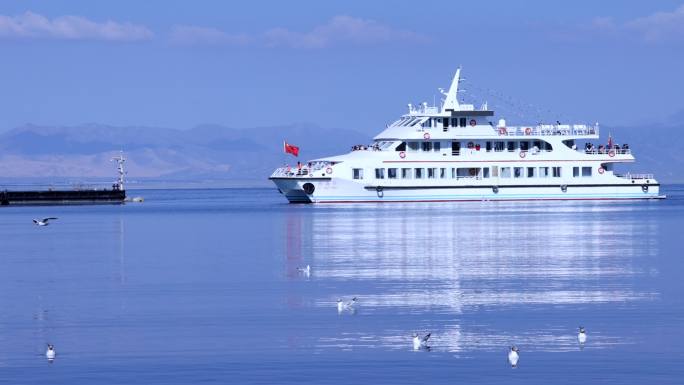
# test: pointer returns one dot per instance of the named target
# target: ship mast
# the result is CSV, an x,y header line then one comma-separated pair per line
x,y
451,97
119,184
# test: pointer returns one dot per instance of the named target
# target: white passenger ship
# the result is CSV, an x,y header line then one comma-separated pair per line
x,y
455,153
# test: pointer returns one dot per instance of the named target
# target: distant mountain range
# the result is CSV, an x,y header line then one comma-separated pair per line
x,y
206,152
212,152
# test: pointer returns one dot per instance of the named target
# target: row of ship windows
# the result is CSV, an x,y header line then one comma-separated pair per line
x,y
437,122
488,146
474,172
446,122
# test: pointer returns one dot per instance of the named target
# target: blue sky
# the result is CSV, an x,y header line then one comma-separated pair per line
x,y
350,64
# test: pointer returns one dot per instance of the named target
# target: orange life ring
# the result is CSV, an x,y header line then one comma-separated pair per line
x,y
328,170
426,136
528,131
601,170
473,122
503,131
611,153
402,155
523,153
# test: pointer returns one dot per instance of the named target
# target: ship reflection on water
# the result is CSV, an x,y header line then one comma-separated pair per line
x,y
477,275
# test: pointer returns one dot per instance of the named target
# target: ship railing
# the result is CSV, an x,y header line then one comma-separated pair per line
x,y
296,172
53,186
533,151
604,151
550,130
635,176
281,172
363,147
291,172
471,151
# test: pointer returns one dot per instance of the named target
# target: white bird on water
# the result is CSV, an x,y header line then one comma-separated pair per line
x,y
50,353
44,221
582,335
420,342
342,306
305,270
513,356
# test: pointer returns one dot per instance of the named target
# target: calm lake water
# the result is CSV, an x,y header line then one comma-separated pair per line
x,y
201,286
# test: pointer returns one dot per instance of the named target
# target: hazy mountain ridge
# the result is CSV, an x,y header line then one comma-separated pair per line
x,y
218,152
206,151
656,149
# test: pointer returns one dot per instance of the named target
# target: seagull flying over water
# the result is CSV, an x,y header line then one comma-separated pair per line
x,y
342,306
305,270
513,356
50,353
420,342
44,221
582,336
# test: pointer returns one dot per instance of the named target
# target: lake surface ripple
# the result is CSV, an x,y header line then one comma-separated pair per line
x,y
203,286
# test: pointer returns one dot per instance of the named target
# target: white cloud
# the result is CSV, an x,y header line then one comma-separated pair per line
x,y
33,25
660,26
338,30
193,35
341,29
603,23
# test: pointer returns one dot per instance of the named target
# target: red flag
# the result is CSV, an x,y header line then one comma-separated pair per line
x,y
290,149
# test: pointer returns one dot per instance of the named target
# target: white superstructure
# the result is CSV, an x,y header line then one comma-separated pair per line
x,y
455,153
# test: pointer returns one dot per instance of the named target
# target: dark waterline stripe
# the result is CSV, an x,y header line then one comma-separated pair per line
x,y
508,186
493,200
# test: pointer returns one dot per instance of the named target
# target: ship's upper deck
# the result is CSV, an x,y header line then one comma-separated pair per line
x,y
454,120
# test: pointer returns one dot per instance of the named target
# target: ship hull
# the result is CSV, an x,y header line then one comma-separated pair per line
x,y
344,191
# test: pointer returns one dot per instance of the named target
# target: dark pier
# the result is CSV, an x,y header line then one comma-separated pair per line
x,y
61,197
